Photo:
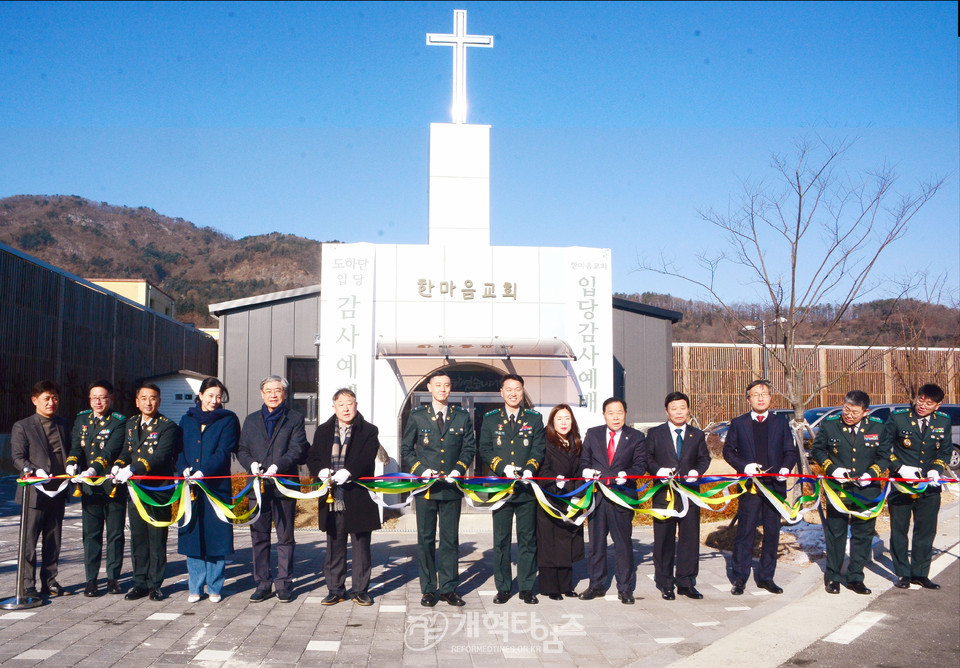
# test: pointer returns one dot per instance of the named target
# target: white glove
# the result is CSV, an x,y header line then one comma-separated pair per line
x,y
187,471
115,470
255,468
428,473
197,475
40,473
783,474
324,474
527,475
751,469
841,472
271,471
71,470
691,476
591,473
453,475
909,472
933,478
341,476
864,479
561,482
621,478
124,474
89,473
665,472
510,471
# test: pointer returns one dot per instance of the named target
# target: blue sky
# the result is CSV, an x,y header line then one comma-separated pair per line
x,y
612,123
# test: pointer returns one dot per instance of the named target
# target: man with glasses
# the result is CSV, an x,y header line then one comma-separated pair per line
x,y
759,442
97,440
918,439
848,448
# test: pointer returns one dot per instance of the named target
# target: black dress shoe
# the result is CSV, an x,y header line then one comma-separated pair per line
x,y
570,594
737,588
137,593
113,587
690,592
157,595
501,597
428,600
31,592
363,598
770,586
453,598
261,594
626,598
857,587
591,594
528,598
926,583
902,583
284,595
668,594
91,589
555,597
53,588
832,587
332,599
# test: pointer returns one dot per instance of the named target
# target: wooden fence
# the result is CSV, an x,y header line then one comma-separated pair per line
x,y
714,375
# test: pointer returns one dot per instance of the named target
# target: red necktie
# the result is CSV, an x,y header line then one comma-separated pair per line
x,y
760,418
610,449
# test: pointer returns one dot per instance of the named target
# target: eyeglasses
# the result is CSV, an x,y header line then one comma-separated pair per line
x,y
758,395
105,397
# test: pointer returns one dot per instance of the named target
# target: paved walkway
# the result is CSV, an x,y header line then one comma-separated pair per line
x,y
396,630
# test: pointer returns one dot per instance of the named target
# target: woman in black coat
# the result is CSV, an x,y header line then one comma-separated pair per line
x,y
344,449
559,544
210,435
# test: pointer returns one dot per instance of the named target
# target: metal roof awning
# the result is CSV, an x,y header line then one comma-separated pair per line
x,y
495,348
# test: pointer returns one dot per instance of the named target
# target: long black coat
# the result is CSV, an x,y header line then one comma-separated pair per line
x,y
208,451
559,544
360,512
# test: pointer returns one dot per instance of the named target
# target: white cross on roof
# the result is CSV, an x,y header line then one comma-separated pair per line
x,y
459,40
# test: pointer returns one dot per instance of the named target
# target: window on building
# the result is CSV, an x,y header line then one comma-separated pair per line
x,y
303,374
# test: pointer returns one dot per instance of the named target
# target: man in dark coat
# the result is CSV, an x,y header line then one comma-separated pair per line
x,y
97,439
512,444
759,442
438,442
613,452
150,447
344,449
676,448
39,445
273,442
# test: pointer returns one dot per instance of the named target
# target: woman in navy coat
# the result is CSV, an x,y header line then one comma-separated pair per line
x,y
210,434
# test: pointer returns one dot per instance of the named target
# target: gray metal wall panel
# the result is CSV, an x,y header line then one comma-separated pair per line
x,y
282,318
306,325
642,345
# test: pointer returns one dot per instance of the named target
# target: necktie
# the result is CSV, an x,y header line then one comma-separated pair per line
x,y
611,448
761,418
923,425
679,441
513,421
440,421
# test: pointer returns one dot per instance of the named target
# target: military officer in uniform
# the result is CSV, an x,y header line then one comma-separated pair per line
x,y
96,441
512,443
150,447
438,442
919,442
848,447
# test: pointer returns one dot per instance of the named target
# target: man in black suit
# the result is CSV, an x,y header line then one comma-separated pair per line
x,y
759,442
345,449
40,445
273,442
676,448
613,453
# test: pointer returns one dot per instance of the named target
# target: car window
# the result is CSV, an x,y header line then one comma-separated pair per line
x,y
953,411
882,413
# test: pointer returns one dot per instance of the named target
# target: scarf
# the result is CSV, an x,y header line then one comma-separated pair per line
x,y
206,417
337,458
272,419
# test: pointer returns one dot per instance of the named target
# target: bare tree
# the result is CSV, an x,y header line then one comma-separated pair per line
x,y
810,234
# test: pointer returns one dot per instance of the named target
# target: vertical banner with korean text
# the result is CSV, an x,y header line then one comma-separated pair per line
x,y
346,321
589,323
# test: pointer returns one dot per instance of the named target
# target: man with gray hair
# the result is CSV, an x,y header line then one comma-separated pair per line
x,y
273,442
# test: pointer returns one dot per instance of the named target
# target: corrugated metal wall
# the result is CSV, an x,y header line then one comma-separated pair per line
x,y
54,326
715,375
642,364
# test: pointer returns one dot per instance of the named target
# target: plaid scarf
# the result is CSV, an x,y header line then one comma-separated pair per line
x,y
337,459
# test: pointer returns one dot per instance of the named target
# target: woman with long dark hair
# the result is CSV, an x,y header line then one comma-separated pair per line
x,y
210,434
559,544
